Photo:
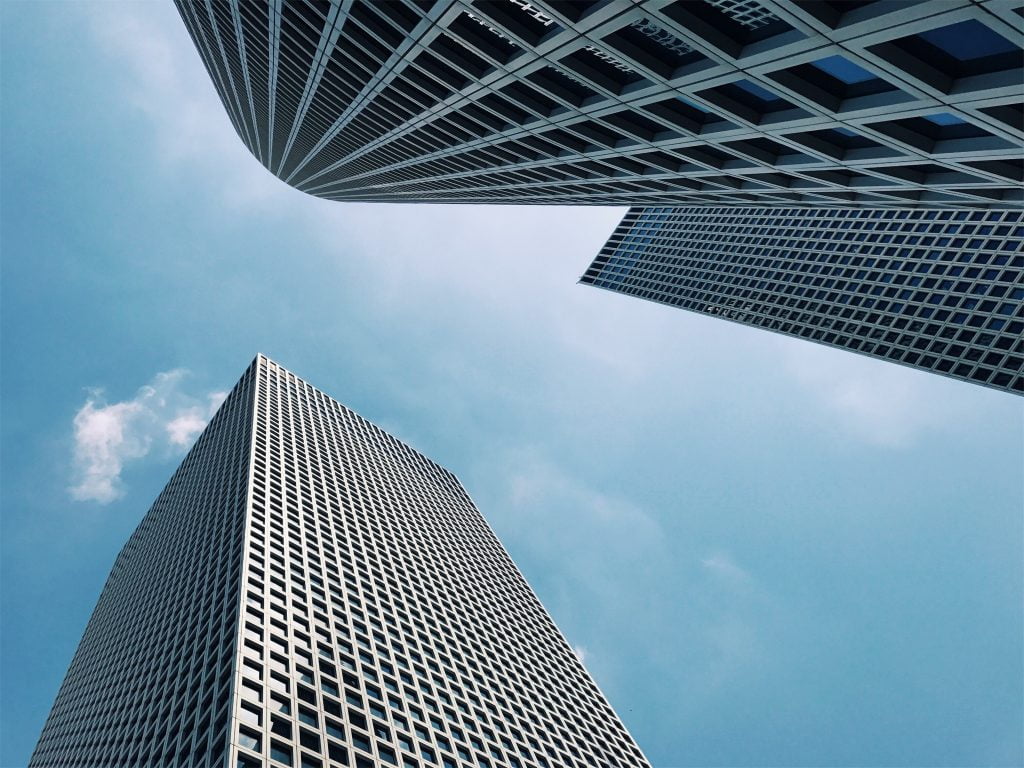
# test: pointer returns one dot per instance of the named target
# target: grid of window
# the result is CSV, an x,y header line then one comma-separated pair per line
x,y
651,102
383,623
941,290
149,683
308,591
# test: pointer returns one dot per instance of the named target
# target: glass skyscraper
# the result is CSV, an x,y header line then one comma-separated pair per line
x,y
608,102
308,591
794,116
937,290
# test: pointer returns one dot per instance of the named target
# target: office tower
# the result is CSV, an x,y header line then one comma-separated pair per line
x,y
654,102
309,591
938,290
839,107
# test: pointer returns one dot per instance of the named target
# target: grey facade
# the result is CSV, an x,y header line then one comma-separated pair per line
x,y
938,290
648,102
151,681
309,591
722,109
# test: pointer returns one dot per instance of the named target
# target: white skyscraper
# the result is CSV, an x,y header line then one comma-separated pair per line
x,y
309,591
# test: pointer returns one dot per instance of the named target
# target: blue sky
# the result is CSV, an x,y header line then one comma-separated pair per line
x,y
768,552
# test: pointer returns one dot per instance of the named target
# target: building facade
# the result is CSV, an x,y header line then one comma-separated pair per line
x,y
309,591
938,290
852,106
627,102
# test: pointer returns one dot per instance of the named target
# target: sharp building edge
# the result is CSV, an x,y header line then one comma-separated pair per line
x,y
608,102
700,114
150,683
937,290
308,591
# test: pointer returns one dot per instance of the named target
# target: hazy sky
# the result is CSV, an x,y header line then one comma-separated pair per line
x,y
767,552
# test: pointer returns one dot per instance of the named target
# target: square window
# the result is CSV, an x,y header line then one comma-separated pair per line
x,y
968,40
844,70
250,740
250,714
956,51
280,727
334,728
281,752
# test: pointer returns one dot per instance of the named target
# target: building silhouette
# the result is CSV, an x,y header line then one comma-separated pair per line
x,y
626,102
309,591
937,290
840,107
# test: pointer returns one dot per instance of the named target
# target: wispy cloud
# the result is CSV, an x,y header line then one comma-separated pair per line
x,y
571,508
738,617
877,402
723,566
108,436
190,126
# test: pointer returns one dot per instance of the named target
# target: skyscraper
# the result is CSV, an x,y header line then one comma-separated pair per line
x,y
652,102
309,591
938,290
842,108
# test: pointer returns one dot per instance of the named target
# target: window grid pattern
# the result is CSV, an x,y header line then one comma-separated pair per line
x,y
939,290
749,13
149,683
309,591
383,622
656,102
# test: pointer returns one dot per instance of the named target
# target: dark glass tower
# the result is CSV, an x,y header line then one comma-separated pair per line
x,y
651,102
151,682
309,591
720,108
942,291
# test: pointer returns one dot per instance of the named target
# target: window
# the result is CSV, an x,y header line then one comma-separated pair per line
x,y
334,728
250,714
280,752
249,739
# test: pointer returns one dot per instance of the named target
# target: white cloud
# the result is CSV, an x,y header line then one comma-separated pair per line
x,y
108,436
738,617
164,80
732,643
183,428
104,440
214,399
545,513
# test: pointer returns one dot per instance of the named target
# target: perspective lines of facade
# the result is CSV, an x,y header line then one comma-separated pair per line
x,y
309,592
813,103
937,290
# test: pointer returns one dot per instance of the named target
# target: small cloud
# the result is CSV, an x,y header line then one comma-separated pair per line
x,y
108,436
182,429
214,400
540,484
104,440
